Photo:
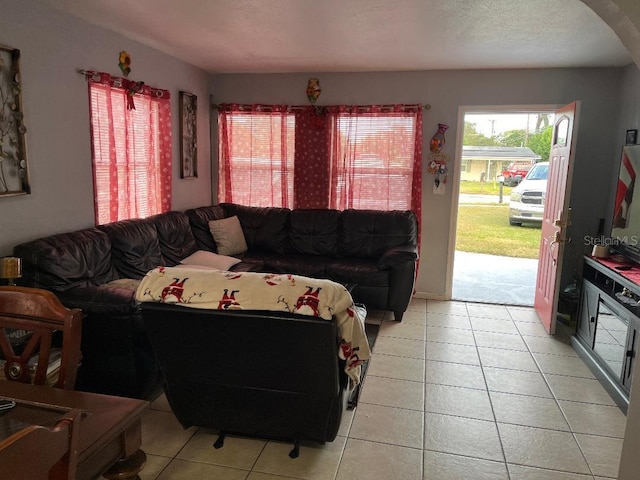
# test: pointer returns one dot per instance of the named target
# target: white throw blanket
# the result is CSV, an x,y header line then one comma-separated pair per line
x,y
222,290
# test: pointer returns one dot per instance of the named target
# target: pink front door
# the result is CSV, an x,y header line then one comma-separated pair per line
x,y
556,215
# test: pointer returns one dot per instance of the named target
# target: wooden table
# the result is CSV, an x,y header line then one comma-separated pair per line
x,y
110,432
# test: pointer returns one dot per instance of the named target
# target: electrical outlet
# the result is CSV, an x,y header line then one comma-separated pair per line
x,y
438,189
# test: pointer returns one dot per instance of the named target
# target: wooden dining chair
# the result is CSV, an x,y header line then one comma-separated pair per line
x,y
28,319
40,453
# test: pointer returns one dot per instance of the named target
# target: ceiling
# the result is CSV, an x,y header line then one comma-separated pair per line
x,y
233,36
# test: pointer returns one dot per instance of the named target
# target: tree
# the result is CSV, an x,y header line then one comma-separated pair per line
x,y
475,138
513,138
540,142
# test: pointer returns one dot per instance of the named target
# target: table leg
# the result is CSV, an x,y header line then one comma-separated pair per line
x,y
127,468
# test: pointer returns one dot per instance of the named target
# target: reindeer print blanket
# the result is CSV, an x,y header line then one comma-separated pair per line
x,y
223,290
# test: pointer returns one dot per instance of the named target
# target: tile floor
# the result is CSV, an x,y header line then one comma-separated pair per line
x,y
458,390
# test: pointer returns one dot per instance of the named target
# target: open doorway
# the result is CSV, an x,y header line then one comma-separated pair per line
x,y
499,204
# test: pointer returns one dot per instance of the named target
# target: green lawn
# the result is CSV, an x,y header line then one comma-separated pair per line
x,y
488,188
486,229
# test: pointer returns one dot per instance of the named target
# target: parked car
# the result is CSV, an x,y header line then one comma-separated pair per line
x,y
516,171
527,199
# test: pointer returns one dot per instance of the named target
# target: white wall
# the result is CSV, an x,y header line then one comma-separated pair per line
x,y
446,91
53,46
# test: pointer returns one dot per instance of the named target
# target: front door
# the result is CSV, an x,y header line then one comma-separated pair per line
x,y
556,215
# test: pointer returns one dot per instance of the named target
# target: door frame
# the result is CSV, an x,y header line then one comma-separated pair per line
x,y
457,163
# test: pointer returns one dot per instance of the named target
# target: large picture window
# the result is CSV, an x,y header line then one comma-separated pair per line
x,y
373,161
131,148
330,157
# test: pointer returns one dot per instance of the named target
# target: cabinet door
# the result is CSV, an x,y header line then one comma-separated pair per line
x,y
588,313
611,336
630,355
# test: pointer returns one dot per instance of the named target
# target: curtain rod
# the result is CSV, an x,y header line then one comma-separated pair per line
x,y
218,106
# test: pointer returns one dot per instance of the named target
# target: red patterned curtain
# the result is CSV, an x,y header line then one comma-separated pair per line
x,y
312,179
131,148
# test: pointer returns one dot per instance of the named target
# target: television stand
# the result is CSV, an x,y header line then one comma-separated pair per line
x,y
608,329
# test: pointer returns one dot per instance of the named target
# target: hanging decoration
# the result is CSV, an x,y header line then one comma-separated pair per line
x,y
438,140
437,161
313,90
124,62
14,179
132,89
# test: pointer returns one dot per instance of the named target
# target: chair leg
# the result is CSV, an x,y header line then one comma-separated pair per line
x,y
398,315
295,453
219,443
127,468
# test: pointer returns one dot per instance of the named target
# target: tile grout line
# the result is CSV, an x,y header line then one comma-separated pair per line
x,y
495,420
424,392
555,398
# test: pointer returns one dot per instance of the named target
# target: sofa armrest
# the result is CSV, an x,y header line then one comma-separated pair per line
x,y
398,255
101,300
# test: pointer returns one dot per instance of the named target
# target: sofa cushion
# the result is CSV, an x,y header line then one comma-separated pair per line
x,y
314,232
127,283
60,262
228,236
209,259
370,233
174,236
357,272
265,228
199,219
101,300
309,266
250,263
134,246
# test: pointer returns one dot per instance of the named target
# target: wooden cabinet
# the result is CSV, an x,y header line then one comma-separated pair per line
x,y
609,323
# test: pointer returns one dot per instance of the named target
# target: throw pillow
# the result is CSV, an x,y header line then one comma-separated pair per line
x,y
210,259
228,235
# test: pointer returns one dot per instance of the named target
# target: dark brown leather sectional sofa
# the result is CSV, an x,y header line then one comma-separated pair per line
x,y
374,252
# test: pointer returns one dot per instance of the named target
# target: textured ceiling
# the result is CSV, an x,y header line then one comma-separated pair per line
x,y
224,36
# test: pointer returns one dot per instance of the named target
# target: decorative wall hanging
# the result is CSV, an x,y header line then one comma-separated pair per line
x,y
188,135
14,178
124,62
437,161
313,89
438,140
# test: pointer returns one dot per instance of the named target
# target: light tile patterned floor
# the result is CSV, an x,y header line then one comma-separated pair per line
x,y
457,390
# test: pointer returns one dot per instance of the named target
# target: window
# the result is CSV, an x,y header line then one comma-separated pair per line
x,y
256,158
329,157
373,161
131,148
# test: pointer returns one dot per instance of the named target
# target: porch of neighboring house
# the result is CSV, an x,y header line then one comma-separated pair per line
x,y
486,163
